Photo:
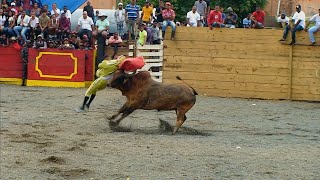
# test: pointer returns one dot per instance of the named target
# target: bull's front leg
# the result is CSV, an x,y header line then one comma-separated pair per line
x,y
121,110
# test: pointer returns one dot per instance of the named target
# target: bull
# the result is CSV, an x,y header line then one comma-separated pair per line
x,y
143,92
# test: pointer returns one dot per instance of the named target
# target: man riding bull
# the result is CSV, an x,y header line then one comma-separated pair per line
x,y
105,73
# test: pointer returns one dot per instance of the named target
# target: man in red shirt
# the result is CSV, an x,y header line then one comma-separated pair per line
x,y
215,18
168,20
257,18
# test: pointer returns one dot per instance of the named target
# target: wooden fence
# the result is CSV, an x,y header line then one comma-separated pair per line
x,y
246,63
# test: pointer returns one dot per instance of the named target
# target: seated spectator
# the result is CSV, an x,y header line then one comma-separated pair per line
x,y
246,23
55,11
66,44
12,22
74,41
96,17
215,18
14,8
51,44
53,27
283,20
102,27
39,43
85,25
114,42
64,27
34,25
193,17
46,9
147,13
4,41
299,23
44,21
315,28
85,41
142,35
231,19
155,31
14,43
257,18
3,20
67,12
35,8
168,20
26,6
223,15
22,26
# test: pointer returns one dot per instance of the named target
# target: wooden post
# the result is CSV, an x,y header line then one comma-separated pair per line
x,y
290,73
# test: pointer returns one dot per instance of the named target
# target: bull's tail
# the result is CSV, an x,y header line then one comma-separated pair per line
x,y
194,91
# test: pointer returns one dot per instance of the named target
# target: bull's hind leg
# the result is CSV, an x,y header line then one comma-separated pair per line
x,y
181,116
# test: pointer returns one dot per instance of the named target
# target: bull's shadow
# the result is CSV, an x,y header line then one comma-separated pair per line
x,y
164,128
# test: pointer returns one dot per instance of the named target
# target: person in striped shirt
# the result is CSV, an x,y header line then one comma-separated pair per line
x,y
132,15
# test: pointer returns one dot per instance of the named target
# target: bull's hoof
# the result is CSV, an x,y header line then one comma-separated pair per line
x,y
113,124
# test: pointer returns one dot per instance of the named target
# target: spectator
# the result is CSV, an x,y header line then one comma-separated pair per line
x,y
299,23
40,43
46,8
149,34
257,18
3,19
85,25
201,8
142,35
283,20
55,11
12,23
51,44
34,25
64,26
168,20
215,18
102,27
14,43
74,41
96,17
223,15
147,13
158,13
44,21
315,28
155,31
114,41
132,15
89,9
193,17
22,26
53,27
86,42
120,19
246,23
66,44
27,6
67,12
14,8
231,19
4,41
208,6
35,8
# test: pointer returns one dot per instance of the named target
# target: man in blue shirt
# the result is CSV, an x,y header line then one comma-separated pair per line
x,y
132,15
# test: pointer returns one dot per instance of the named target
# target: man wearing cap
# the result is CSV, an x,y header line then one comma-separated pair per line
x,y
283,20
147,13
22,25
132,15
120,18
315,28
299,24
40,43
168,20
102,26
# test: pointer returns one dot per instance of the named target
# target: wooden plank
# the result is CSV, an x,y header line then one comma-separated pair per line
x,y
160,54
306,81
160,59
226,69
315,90
227,77
305,97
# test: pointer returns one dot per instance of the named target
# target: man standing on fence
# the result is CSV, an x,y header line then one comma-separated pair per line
x,y
132,15
120,19
313,29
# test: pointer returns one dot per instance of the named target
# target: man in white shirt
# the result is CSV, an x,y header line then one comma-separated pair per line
x,y
299,23
34,25
193,17
67,12
22,25
283,20
85,24
55,11
313,29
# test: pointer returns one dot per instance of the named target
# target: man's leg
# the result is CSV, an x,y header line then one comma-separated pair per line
x,y
311,32
115,50
23,33
173,32
164,27
285,32
294,30
17,30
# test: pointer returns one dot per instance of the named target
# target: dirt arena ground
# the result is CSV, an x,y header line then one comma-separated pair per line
x,y
42,137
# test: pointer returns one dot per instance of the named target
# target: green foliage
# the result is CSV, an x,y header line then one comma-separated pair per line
x,y
181,7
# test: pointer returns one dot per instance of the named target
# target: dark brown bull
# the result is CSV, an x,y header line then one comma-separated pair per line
x,y
142,92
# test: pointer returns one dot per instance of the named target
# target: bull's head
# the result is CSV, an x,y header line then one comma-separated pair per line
x,y
122,80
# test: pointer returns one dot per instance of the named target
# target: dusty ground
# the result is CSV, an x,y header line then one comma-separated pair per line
x,y
43,138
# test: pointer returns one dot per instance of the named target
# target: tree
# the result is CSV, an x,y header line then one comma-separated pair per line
x,y
182,7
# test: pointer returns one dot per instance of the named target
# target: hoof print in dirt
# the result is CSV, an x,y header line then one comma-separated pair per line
x,y
116,128
54,159
165,126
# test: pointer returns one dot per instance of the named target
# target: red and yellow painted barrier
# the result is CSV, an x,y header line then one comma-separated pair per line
x,y
50,67
10,66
